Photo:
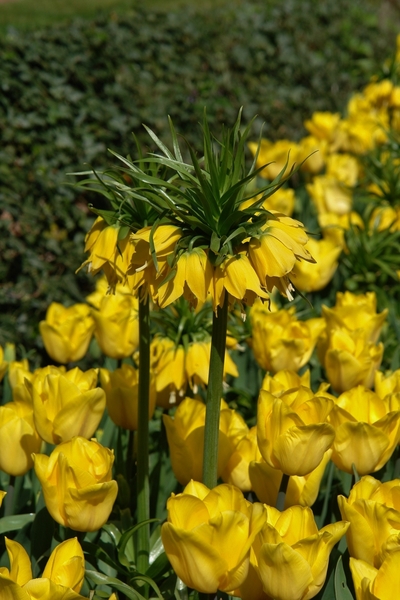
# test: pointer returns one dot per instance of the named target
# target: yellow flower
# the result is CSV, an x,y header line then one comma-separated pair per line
x,y
388,384
313,151
291,556
2,494
67,404
308,277
285,380
330,195
349,360
274,155
237,276
193,280
236,471
76,482
18,438
281,201
385,217
18,372
198,362
291,429
208,535
344,167
376,584
117,326
279,341
367,430
185,434
334,226
67,332
373,510
265,482
121,388
62,578
274,253
324,126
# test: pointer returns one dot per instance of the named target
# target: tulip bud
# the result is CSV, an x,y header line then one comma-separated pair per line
x,y
67,332
77,486
18,438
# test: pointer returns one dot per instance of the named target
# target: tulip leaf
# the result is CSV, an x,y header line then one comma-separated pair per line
x,y
342,592
125,539
101,579
14,522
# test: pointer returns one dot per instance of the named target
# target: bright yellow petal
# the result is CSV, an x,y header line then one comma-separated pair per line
x,y
20,563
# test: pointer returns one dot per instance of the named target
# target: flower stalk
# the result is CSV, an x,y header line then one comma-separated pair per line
x,y
143,492
214,394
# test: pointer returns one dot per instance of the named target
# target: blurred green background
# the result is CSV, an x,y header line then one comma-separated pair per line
x,y
78,78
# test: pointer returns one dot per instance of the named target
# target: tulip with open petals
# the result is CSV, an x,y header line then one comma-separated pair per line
x,y
373,509
208,534
290,555
77,486
376,584
62,578
367,430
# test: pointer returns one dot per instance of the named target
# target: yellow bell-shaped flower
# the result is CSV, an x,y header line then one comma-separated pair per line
x,y
376,584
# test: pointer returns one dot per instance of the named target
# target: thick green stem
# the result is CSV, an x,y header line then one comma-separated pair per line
x,y
214,394
280,502
143,493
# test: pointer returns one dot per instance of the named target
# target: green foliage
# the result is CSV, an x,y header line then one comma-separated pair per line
x,y
71,92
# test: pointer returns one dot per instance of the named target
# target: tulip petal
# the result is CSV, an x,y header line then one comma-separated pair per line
x,y
300,450
88,509
66,565
20,563
9,590
285,574
38,589
360,444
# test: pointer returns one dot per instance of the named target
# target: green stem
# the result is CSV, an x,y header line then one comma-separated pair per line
x,y
280,502
9,499
214,394
143,494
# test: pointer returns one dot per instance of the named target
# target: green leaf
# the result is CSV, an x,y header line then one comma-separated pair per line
x,y
15,522
116,584
342,592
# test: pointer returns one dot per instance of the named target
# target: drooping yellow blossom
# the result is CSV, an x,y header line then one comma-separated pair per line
x,y
66,404
330,195
376,584
208,535
176,367
77,483
312,277
62,578
274,155
280,341
292,431
290,556
265,482
117,326
373,510
367,430
185,434
18,438
66,332
121,388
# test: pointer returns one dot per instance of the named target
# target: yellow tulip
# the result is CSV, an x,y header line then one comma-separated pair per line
x,y
309,277
373,510
333,226
350,361
281,201
198,363
343,167
324,126
274,155
285,380
312,151
291,430
18,372
236,471
18,438
281,342
265,482
208,535
62,577
185,433
385,217
67,332
76,482
67,404
367,430
117,326
291,556
389,384
2,494
330,195
376,584
121,388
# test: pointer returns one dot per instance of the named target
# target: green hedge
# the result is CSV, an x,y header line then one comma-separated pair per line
x,y
69,93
